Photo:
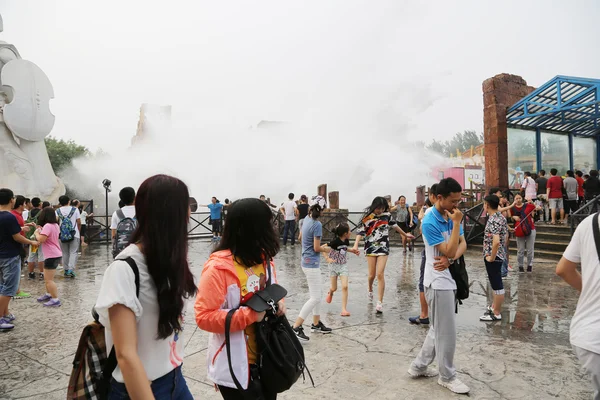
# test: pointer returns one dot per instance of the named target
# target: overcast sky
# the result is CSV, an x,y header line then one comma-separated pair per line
x,y
415,68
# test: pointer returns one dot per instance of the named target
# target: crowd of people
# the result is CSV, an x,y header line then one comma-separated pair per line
x,y
142,298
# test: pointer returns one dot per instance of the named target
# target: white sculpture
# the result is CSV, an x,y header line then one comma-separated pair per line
x,y
25,120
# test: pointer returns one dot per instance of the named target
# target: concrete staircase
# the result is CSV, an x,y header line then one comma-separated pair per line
x,y
550,242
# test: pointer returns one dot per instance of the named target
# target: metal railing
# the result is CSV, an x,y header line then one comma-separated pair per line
x,y
589,208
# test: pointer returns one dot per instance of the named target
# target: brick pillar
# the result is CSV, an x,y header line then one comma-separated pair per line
x,y
334,200
499,93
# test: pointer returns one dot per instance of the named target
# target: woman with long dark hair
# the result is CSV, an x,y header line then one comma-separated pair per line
x,y
374,228
240,266
404,218
312,231
147,330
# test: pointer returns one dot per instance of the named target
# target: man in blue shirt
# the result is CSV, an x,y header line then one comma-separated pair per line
x,y
444,242
216,208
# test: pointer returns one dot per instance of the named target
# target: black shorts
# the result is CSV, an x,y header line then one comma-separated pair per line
x,y
51,263
216,225
570,206
83,229
494,271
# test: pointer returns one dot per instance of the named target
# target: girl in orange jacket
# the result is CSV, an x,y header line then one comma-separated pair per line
x,y
236,270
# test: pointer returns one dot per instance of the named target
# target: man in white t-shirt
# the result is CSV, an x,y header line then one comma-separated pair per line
x,y
584,249
127,196
69,249
290,211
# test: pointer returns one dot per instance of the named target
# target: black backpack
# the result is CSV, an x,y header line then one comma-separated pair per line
x,y
458,270
281,360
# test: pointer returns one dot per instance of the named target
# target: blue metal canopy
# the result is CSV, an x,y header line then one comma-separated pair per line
x,y
563,104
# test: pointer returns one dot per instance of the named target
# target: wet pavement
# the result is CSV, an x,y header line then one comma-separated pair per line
x,y
525,356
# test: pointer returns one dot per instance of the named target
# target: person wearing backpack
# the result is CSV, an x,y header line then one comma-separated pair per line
x,y
525,232
70,224
36,254
147,329
443,237
584,251
123,222
237,269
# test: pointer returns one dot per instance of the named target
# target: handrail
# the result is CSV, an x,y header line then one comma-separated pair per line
x,y
579,215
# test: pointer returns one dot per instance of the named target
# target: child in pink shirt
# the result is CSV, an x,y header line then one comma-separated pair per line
x,y
47,234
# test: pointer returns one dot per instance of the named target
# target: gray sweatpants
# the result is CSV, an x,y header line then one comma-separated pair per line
x,y
590,362
441,338
525,243
69,253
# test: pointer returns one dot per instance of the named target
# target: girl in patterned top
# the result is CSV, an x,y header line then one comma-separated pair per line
x,y
374,228
337,259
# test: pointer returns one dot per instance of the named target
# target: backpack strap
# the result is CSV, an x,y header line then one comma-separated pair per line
x,y
596,230
228,348
111,361
71,212
120,214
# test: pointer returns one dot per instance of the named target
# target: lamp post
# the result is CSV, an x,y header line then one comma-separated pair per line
x,y
106,183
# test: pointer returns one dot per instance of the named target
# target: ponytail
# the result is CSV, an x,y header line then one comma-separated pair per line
x,y
341,229
315,211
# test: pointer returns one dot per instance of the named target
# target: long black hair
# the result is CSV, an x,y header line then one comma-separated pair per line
x,y
47,216
315,211
249,232
162,212
378,202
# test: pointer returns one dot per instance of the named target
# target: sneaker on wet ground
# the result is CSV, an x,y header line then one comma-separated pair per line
x,y
10,317
44,298
69,273
41,276
59,267
300,333
455,385
22,295
379,307
320,327
521,269
370,296
418,320
530,268
510,268
52,303
490,316
428,372
31,275
5,325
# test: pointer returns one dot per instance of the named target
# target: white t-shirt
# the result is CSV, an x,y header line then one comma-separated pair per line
x,y
128,212
585,325
158,356
83,217
290,208
64,212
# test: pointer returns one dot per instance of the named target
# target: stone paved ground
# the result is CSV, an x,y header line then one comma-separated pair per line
x,y
526,356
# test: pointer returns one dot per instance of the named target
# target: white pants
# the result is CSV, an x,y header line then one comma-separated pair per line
x,y
590,362
69,253
315,289
440,341
525,243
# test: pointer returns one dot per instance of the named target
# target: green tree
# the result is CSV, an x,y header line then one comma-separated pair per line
x,y
460,141
63,153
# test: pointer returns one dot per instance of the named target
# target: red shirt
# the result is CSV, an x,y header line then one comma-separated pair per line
x,y
580,191
522,211
20,220
555,184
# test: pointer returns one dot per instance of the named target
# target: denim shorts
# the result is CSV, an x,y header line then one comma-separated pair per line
x,y
336,270
10,275
169,386
494,271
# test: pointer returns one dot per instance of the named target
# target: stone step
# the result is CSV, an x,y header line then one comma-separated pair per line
x,y
539,253
553,236
552,245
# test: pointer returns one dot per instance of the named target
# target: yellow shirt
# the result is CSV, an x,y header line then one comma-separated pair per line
x,y
252,279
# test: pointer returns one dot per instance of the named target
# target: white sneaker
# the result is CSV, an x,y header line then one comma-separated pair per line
x,y
455,385
379,307
370,296
489,316
429,372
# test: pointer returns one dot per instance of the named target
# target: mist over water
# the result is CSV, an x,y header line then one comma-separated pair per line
x,y
361,148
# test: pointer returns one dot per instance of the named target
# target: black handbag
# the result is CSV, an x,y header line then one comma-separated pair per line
x,y
281,358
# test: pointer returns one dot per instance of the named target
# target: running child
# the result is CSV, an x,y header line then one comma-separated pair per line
x,y
338,267
47,235
374,228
